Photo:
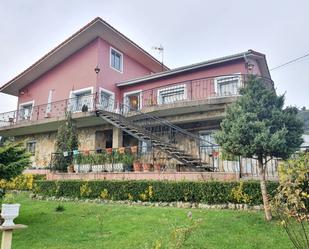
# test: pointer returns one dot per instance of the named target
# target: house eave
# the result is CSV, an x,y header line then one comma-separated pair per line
x,y
250,53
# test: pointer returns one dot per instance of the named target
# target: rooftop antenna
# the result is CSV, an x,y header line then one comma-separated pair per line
x,y
160,49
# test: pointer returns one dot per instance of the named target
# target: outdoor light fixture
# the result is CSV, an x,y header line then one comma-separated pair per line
x,y
97,70
250,67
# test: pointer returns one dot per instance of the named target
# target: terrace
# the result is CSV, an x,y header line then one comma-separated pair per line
x,y
198,95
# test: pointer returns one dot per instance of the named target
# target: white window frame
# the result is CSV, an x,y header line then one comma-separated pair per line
x,y
159,98
140,104
112,106
79,91
225,77
110,59
21,107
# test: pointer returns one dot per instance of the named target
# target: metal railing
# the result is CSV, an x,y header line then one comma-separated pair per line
x,y
195,89
55,109
101,159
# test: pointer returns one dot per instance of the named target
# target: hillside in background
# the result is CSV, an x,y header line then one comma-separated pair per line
x,y
305,116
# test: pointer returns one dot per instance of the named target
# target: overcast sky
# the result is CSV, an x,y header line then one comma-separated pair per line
x,y
190,31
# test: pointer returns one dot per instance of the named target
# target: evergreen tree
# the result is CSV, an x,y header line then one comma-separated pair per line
x,y
258,126
14,158
67,141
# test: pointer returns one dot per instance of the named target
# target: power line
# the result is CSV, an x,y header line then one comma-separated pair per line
x,y
289,62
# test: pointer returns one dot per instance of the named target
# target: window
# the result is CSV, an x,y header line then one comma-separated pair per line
x,y
133,100
107,99
30,146
172,94
25,110
116,59
207,138
49,102
81,100
227,85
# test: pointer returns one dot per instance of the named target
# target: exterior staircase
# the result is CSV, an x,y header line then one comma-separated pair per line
x,y
153,131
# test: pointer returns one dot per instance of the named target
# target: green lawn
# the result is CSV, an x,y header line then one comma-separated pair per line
x,y
87,225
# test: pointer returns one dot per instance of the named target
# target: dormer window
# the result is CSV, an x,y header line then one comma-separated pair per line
x,y
116,60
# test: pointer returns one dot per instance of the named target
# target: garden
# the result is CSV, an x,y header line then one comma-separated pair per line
x,y
81,225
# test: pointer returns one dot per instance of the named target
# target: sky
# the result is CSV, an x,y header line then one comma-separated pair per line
x,y
190,32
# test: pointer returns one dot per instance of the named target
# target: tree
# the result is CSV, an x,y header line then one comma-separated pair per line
x,y
14,158
257,126
67,141
291,202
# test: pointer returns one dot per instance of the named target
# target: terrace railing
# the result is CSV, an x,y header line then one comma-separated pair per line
x,y
191,90
196,89
46,111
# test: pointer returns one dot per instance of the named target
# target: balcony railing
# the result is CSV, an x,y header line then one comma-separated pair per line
x,y
191,90
197,89
47,111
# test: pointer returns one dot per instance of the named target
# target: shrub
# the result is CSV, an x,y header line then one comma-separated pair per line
x,y
21,182
157,191
59,208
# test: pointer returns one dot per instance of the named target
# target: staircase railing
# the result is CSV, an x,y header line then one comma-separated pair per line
x,y
161,128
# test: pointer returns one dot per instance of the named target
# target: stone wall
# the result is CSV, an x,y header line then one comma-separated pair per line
x,y
45,144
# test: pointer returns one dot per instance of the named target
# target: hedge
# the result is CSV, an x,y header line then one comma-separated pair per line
x,y
158,191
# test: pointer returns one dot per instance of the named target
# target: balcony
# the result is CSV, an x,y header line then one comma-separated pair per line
x,y
43,118
196,95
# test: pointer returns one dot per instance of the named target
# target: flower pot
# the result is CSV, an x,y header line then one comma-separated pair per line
x,y
109,167
97,168
109,150
122,150
157,167
127,168
137,166
134,149
147,167
70,169
9,212
85,168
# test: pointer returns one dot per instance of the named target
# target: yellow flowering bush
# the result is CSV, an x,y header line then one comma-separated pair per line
x,y
104,194
21,182
85,190
239,196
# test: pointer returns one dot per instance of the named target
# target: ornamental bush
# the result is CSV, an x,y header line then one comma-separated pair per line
x,y
21,182
158,191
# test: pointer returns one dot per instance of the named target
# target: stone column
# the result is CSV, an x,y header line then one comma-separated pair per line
x,y
117,137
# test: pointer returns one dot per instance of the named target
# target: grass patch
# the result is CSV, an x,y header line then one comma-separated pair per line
x,y
88,225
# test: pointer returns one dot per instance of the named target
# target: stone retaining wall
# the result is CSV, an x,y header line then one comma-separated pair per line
x,y
171,176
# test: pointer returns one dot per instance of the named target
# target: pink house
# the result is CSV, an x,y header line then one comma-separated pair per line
x,y
121,96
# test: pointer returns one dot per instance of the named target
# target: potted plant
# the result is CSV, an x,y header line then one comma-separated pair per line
x,y
10,210
118,161
85,164
137,166
127,161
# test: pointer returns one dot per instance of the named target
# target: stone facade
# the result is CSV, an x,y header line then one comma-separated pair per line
x,y
90,138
